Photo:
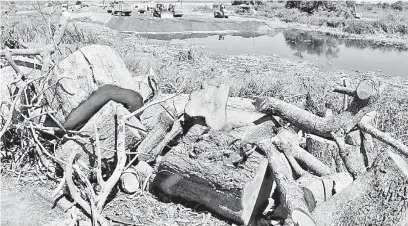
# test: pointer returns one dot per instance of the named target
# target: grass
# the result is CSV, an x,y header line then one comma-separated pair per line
x,y
377,20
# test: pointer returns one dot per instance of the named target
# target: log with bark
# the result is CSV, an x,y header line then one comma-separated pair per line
x,y
379,197
253,133
336,127
365,95
293,198
206,169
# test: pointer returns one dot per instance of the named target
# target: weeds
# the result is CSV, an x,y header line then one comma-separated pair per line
x,y
382,17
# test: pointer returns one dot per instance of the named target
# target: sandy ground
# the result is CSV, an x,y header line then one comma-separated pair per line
x,y
24,204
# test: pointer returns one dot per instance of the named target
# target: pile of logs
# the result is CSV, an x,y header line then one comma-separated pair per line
x,y
234,156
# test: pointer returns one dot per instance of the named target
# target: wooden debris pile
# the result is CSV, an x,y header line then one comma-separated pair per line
x,y
233,157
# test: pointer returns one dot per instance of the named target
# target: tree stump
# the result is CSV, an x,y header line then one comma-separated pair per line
x,y
202,169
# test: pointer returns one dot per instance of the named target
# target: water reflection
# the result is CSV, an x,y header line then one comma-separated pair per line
x,y
182,36
328,45
332,51
304,42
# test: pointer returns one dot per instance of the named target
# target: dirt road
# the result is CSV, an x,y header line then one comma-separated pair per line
x,y
190,22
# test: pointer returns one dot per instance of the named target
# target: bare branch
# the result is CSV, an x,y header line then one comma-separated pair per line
x,y
365,126
99,153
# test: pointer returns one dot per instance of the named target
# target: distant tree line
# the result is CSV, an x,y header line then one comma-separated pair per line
x,y
313,6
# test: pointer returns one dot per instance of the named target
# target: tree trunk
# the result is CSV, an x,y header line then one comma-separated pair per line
x,y
326,151
205,172
325,127
379,197
292,196
73,81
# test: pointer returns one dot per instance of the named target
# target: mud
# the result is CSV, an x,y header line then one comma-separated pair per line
x,y
148,24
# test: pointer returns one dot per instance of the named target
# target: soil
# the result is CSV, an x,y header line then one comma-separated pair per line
x,y
27,204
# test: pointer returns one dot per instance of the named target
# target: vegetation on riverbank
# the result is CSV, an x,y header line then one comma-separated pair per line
x,y
377,18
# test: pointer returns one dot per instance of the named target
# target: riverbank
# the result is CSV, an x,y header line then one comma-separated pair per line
x,y
253,75
379,23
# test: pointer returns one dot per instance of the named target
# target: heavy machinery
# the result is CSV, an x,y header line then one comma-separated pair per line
x,y
220,11
176,9
121,8
161,12
158,10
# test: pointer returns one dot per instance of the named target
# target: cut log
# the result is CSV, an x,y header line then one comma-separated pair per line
x,y
287,141
129,181
291,196
73,81
364,91
367,127
210,103
240,111
308,122
326,151
134,178
379,197
323,188
352,161
202,172
154,137
254,133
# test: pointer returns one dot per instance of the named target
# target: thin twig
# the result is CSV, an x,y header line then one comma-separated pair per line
x,y
99,153
13,105
43,148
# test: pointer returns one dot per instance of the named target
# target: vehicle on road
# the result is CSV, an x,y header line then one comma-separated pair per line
x,y
220,11
121,8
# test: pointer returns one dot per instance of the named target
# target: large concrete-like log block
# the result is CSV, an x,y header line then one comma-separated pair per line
x,y
203,172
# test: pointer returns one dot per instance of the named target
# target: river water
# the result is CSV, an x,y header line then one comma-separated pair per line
x,y
327,50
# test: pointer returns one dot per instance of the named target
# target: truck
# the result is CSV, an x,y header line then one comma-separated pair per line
x,y
141,8
121,8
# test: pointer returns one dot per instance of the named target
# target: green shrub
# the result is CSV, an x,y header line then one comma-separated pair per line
x,y
359,27
398,5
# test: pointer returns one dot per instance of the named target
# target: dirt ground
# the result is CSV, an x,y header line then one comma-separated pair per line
x,y
28,204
